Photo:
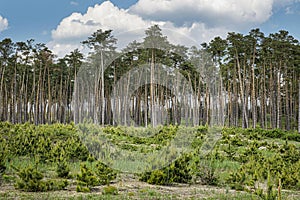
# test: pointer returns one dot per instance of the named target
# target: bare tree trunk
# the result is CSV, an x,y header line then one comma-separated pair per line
x,y
126,101
146,105
263,100
299,106
272,106
36,97
287,105
229,106
14,96
102,90
26,101
114,100
152,103
207,105
244,115
253,97
278,100
2,107
21,101
49,96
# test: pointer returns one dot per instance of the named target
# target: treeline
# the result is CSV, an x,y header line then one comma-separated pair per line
x,y
256,82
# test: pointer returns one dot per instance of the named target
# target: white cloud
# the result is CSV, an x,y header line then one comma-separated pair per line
x,y
214,13
187,22
104,16
3,23
61,49
77,27
126,26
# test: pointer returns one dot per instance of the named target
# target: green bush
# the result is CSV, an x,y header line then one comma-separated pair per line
x,y
206,172
180,171
85,179
32,180
157,177
3,157
292,137
62,169
105,174
43,141
110,190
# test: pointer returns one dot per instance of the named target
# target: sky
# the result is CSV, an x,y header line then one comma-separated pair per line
x,y
63,24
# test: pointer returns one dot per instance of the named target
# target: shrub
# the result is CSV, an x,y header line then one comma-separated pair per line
x,y
3,156
205,172
180,171
105,174
157,177
62,169
31,180
110,190
85,179
43,141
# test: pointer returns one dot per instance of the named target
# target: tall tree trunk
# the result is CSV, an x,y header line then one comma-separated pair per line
x,y
253,97
278,99
244,115
102,90
298,106
287,105
152,98
146,105
2,93
49,96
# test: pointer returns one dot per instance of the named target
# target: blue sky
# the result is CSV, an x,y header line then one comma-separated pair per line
x,y
55,23
36,18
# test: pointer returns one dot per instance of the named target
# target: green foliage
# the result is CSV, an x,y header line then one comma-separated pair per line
x,y
273,133
88,178
105,174
157,177
259,167
110,190
85,179
180,171
270,193
3,156
45,142
206,172
32,180
62,169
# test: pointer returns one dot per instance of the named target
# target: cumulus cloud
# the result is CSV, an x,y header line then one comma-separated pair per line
x,y
126,26
3,23
214,13
187,22
105,16
77,27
